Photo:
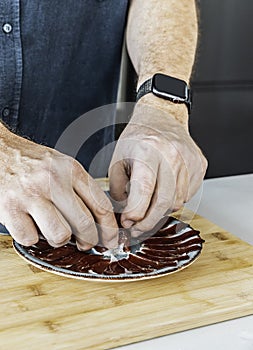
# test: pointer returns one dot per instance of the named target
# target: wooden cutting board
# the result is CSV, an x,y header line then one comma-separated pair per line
x,y
40,310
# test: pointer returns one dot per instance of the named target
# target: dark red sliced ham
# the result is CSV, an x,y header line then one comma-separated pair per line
x,y
168,248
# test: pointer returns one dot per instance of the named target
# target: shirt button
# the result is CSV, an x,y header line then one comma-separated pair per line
x,y
7,28
6,112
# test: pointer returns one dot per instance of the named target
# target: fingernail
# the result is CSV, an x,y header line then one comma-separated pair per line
x,y
83,247
29,243
127,223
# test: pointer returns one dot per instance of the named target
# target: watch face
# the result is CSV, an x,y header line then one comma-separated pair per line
x,y
169,87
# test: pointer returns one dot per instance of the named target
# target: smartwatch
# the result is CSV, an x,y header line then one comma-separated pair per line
x,y
169,88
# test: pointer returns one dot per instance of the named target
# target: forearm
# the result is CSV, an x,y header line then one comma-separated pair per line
x,y
8,140
5,136
3,130
162,37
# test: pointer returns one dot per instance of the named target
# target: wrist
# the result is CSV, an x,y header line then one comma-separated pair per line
x,y
168,93
178,111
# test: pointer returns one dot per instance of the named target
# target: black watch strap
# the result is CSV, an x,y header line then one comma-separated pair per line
x,y
144,89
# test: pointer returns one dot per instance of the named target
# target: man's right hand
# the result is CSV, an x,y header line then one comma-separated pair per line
x,y
45,189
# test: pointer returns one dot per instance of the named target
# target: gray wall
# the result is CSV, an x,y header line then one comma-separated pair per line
x,y
222,116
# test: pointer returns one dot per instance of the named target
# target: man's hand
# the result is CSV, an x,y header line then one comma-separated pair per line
x,y
155,152
156,167
42,188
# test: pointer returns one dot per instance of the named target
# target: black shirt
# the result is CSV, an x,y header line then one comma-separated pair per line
x,y
58,60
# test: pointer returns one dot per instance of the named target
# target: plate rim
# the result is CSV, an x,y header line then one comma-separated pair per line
x,y
42,265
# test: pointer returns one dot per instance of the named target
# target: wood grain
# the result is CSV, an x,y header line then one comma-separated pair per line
x,y
41,310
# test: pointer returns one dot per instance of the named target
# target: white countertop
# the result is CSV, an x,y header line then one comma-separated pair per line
x,y
228,202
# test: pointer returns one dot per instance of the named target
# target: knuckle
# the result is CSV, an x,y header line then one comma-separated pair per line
x,y
11,204
151,142
36,183
78,168
75,163
52,170
204,164
146,184
85,222
164,202
104,207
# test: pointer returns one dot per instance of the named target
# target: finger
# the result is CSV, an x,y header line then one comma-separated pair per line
x,y
142,185
51,223
99,205
119,182
182,188
84,226
162,201
22,229
78,217
197,176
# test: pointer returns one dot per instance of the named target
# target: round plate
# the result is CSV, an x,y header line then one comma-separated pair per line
x,y
173,247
